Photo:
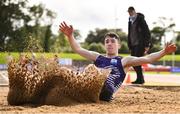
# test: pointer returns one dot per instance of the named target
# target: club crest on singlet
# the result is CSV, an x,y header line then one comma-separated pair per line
x,y
113,61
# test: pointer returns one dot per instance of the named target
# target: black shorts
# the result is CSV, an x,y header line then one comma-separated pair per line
x,y
105,94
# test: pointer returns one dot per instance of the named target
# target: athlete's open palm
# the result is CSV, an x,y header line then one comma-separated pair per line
x,y
67,30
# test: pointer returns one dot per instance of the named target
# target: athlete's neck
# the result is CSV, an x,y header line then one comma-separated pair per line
x,y
111,56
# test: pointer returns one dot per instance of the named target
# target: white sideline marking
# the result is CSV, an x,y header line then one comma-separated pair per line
x,y
4,75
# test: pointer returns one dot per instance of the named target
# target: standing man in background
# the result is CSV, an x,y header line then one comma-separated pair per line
x,y
139,39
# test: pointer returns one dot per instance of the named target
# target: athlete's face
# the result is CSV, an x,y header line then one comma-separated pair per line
x,y
111,45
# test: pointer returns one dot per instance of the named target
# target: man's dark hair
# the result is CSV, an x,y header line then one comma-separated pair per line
x,y
112,35
130,9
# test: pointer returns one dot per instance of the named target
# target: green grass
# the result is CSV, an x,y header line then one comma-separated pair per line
x,y
170,58
73,56
166,58
3,56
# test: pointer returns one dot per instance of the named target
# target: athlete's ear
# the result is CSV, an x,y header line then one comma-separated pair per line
x,y
119,46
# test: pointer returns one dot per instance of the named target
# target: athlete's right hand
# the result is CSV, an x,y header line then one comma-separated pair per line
x,y
67,30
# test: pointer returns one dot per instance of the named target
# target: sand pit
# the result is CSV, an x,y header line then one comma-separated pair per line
x,y
129,99
47,82
56,89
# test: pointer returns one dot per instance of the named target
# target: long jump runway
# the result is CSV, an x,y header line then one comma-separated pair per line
x,y
151,79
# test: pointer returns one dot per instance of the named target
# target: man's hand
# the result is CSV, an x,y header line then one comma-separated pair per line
x,y
146,50
169,48
67,30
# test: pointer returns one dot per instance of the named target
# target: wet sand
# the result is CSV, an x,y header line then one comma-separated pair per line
x,y
129,99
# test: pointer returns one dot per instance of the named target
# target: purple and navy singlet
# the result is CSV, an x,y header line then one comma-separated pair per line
x,y
116,77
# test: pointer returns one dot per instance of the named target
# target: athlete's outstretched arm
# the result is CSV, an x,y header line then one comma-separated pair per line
x,y
68,31
135,61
